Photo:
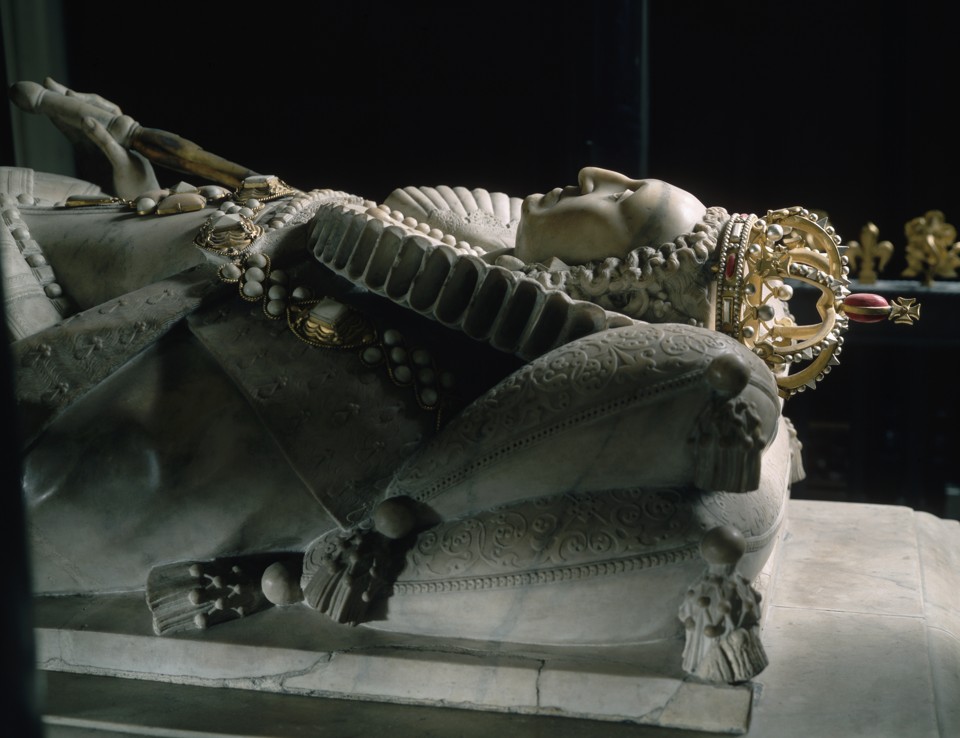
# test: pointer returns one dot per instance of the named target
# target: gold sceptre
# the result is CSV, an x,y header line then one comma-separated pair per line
x,y
161,147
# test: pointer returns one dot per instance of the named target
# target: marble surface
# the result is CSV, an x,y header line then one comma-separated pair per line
x,y
104,707
874,566
294,651
862,634
856,632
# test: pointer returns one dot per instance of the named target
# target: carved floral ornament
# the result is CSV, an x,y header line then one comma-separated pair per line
x,y
560,531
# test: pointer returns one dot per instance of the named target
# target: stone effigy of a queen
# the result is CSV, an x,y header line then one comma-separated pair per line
x,y
455,414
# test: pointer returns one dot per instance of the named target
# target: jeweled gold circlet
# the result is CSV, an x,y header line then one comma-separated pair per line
x,y
758,257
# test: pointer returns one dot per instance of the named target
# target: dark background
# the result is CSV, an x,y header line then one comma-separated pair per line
x,y
843,107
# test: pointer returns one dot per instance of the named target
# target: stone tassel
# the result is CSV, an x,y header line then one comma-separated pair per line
x,y
721,615
727,438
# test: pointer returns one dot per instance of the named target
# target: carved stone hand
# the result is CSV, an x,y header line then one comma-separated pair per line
x,y
89,118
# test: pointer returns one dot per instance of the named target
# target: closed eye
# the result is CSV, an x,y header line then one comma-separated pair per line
x,y
616,197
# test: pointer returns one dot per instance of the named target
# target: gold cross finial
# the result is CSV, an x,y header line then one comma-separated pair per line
x,y
905,310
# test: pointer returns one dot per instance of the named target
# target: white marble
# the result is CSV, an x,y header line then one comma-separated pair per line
x,y
616,443
856,645
453,679
841,673
939,544
870,554
944,650
658,701
599,217
560,504
294,651
627,399
101,707
101,255
836,668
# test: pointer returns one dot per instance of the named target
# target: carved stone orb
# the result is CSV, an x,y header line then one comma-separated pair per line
x,y
281,585
723,546
728,374
395,517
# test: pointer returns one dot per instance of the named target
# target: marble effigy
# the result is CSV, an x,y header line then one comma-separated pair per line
x,y
454,415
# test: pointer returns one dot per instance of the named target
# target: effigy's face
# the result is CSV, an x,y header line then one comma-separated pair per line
x,y
608,214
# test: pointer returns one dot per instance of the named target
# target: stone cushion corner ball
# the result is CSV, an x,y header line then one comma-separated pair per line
x,y
281,584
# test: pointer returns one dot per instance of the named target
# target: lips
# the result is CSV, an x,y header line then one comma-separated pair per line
x,y
551,198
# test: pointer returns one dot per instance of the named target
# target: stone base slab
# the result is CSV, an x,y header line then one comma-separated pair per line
x,y
299,652
862,630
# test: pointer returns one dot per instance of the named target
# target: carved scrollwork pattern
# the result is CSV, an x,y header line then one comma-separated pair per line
x,y
577,382
583,369
756,514
563,531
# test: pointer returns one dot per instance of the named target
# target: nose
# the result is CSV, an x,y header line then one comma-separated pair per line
x,y
595,178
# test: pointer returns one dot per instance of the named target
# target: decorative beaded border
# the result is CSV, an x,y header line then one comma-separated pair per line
x,y
730,278
32,252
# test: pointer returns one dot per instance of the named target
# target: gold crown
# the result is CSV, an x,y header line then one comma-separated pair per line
x,y
759,258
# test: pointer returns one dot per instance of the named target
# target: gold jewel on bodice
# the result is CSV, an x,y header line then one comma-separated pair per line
x,y
228,234
231,230
263,187
327,323
758,259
